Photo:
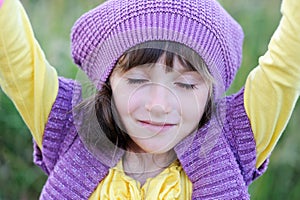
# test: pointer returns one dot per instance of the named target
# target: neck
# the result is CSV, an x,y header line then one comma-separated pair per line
x,y
141,166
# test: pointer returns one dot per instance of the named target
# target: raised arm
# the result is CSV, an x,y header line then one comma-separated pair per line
x,y
273,88
25,75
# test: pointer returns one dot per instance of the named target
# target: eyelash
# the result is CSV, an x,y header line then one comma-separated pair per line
x,y
187,86
182,85
136,81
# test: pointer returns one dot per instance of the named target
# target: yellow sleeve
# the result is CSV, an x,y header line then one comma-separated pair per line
x,y
273,87
25,75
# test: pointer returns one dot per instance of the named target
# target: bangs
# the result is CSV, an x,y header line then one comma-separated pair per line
x,y
151,52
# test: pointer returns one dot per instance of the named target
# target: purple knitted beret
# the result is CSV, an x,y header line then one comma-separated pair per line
x,y
103,34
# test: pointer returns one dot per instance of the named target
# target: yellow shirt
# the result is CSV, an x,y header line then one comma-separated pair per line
x,y
172,183
32,84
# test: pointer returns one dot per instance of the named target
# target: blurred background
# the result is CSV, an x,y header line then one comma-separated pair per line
x,y
52,21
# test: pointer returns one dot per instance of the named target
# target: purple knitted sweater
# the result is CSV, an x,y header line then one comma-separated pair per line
x,y
219,162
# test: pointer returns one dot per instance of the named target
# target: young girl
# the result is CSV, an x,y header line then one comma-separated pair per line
x,y
158,126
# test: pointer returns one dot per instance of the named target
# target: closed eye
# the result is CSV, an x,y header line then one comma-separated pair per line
x,y
136,81
186,86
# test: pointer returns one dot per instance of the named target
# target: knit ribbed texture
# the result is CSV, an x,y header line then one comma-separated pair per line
x,y
102,35
56,140
219,160
240,137
73,171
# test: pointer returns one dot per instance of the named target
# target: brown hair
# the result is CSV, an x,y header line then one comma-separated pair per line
x,y
145,53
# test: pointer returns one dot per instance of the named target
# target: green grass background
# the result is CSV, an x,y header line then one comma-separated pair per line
x,y
52,21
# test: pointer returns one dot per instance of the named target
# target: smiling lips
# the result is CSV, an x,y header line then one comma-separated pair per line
x,y
156,127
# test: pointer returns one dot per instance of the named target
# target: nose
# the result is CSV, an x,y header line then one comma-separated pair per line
x,y
160,100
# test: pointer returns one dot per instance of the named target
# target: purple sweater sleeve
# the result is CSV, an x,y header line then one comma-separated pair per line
x,y
59,132
241,139
220,157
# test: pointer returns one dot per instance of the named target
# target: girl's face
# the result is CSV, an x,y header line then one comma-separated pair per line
x,y
157,105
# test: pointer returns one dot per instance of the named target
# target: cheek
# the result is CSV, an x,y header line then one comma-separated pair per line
x,y
193,106
127,99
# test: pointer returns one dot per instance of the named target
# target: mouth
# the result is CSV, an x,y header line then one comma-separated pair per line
x,y
156,127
